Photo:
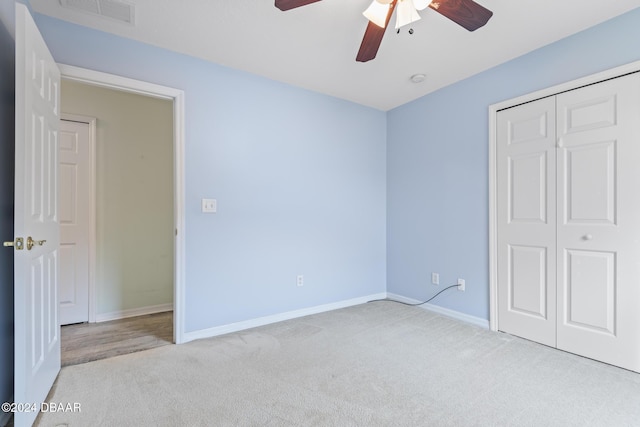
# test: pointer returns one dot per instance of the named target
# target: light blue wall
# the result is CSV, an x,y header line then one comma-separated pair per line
x,y
300,177
7,138
300,180
437,163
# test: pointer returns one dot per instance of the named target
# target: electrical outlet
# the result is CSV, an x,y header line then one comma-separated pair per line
x,y
209,205
461,285
300,280
435,278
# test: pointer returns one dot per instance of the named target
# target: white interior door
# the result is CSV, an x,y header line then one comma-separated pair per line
x,y
527,221
568,221
37,331
599,221
74,212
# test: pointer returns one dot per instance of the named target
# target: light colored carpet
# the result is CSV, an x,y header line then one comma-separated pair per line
x,y
377,364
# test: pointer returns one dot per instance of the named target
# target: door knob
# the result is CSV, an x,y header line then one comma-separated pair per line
x,y
18,244
587,237
31,243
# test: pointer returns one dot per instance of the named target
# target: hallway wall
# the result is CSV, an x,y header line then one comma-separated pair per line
x,y
134,195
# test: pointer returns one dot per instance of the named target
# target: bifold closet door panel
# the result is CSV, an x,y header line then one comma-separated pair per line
x,y
526,157
598,201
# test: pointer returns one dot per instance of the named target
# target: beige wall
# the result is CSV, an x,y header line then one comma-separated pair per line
x,y
134,205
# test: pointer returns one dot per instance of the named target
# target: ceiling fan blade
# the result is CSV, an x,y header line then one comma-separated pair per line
x,y
466,13
292,4
373,37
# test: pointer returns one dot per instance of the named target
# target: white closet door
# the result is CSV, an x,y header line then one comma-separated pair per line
x,y
526,179
599,221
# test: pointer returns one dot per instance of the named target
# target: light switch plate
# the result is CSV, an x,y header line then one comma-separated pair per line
x,y
209,205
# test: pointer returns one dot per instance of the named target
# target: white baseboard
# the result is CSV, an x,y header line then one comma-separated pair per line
x,y
123,314
444,311
261,321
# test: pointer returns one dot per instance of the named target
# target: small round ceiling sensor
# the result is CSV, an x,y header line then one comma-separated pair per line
x,y
418,78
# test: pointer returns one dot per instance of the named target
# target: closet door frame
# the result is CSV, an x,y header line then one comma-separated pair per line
x,y
493,113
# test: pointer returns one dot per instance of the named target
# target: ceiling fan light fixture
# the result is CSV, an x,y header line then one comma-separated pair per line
x,y
406,13
421,4
377,13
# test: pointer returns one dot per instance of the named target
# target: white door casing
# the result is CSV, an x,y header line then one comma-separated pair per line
x,y
37,331
594,281
111,81
599,221
76,214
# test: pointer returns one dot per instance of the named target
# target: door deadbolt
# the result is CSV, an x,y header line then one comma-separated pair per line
x,y
18,244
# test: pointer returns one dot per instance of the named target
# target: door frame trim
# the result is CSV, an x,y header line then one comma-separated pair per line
x,y
632,67
111,81
91,121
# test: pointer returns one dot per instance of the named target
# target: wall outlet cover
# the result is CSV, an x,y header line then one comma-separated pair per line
x,y
435,278
209,205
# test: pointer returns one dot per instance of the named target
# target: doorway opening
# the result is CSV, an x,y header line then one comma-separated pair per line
x,y
141,303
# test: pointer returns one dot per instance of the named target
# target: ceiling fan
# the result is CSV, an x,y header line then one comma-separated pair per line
x,y
465,13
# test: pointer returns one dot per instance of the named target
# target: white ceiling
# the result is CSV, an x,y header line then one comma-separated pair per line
x,y
315,46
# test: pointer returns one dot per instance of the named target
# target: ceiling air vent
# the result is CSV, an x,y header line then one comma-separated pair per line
x,y
112,9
